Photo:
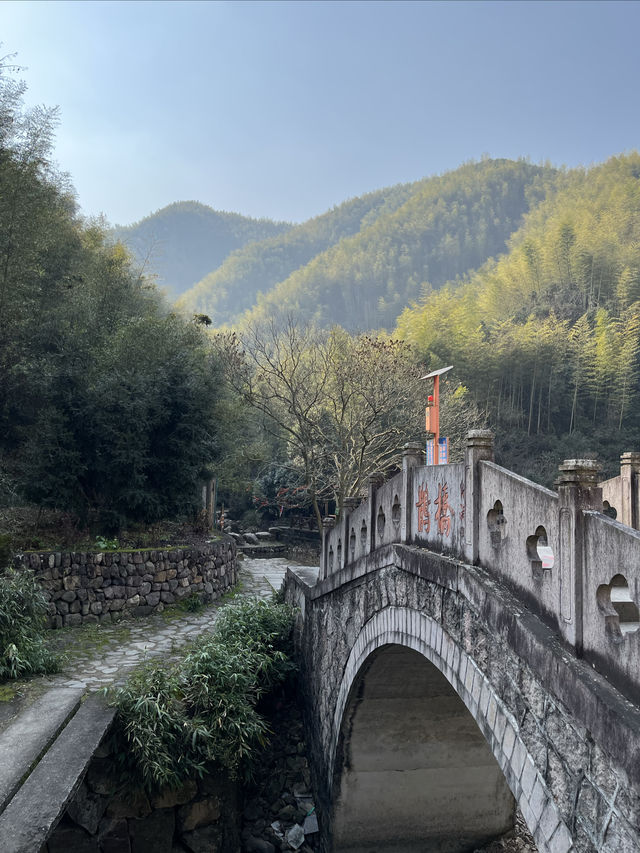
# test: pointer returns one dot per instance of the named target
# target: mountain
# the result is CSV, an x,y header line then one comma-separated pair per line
x,y
548,336
449,225
250,272
362,263
182,242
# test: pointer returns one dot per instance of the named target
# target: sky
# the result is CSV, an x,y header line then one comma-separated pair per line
x,y
284,109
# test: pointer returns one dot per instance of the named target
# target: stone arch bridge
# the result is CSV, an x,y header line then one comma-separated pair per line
x,y
471,644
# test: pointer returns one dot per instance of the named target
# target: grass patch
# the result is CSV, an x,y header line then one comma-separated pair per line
x,y
92,637
7,692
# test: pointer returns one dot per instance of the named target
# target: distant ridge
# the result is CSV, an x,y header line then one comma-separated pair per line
x,y
182,242
361,263
251,272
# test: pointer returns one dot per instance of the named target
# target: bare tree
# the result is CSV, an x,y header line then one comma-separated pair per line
x,y
345,404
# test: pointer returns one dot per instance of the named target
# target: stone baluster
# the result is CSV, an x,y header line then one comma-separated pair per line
x,y
375,481
630,482
412,457
348,506
578,490
328,524
479,448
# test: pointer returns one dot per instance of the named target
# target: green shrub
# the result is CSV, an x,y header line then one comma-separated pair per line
x,y
23,609
174,721
5,550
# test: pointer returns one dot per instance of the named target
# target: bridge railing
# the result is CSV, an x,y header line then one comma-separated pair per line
x,y
610,599
576,568
518,528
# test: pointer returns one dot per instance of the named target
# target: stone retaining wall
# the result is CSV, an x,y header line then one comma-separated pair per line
x,y
86,587
103,817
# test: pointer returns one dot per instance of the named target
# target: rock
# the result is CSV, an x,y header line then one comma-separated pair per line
x,y
168,798
208,839
132,805
113,836
154,833
252,810
200,813
67,838
287,813
86,809
258,845
295,836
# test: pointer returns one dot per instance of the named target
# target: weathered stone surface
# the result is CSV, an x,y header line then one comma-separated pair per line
x,y
258,845
34,730
129,805
208,839
113,836
101,776
199,813
86,809
72,838
170,797
93,585
153,834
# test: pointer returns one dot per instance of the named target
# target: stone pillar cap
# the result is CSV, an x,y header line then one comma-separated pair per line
x,y
480,436
329,522
376,479
579,471
632,457
351,502
412,447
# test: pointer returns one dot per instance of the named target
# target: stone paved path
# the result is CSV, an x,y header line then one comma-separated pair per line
x,y
118,648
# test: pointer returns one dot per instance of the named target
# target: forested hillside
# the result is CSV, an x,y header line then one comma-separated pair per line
x,y
227,292
184,241
108,400
449,225
548,336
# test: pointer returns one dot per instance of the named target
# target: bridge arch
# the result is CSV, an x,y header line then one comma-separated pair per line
x,y
409,629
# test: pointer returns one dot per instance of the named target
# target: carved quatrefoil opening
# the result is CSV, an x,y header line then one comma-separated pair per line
x,y
539,551
352,543
363,537
331,558
380,523
620,611
609,510
497,524
395,512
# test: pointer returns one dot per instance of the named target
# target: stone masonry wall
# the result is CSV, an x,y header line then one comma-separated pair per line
x,y
202,816
100,587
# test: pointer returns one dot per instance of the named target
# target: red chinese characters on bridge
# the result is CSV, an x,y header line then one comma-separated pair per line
x,y
443,513
424,517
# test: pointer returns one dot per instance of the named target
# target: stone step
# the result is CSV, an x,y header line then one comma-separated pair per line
x,y
25,741
35,809
264,549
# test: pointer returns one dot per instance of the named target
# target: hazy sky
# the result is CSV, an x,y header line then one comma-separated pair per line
x,y
283,109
